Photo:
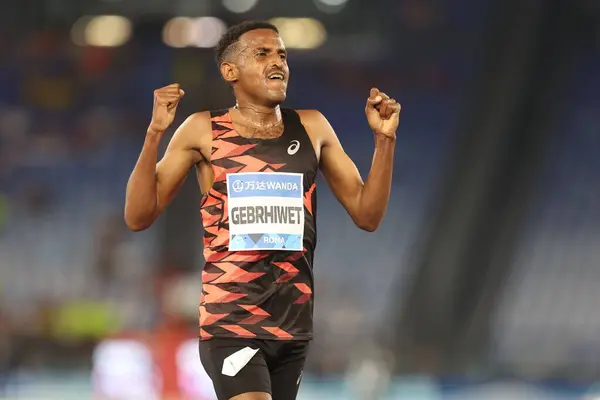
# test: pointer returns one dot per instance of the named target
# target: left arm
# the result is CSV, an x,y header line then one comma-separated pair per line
x,y
366,202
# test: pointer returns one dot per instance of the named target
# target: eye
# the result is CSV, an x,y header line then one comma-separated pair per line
x,y
261,54
283,57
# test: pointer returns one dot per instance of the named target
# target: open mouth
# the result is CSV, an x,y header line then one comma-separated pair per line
x,y
275,76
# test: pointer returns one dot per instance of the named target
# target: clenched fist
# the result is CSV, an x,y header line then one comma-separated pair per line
x,y
382,113
166,100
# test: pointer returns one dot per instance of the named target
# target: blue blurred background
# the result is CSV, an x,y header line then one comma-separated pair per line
x,y
483,282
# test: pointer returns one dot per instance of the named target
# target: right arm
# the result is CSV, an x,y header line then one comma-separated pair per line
x,y
153,186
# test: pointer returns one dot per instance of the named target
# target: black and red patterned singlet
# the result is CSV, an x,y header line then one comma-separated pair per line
x,y
262,294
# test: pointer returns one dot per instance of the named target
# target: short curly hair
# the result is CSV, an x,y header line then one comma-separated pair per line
x,y
234,33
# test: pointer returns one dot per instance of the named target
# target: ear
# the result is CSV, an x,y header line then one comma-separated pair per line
x,y
229,71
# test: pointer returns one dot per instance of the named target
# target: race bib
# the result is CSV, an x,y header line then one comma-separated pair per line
x,y
266,211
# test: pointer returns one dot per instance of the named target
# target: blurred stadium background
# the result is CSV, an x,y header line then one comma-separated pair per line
x,y
482,283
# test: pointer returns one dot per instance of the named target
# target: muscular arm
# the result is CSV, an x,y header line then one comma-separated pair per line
x,y
365,202
153,186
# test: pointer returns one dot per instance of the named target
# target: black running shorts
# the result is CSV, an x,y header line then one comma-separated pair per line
x,y
239,366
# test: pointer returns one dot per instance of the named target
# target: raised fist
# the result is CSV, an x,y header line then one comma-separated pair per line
x,y
166,100
382,113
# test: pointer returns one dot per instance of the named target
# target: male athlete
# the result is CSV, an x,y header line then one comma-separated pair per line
x,y
256,166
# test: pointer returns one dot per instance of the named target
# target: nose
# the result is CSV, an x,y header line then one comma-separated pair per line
x,y
277,61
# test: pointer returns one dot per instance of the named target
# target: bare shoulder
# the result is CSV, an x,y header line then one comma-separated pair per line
x,y
317,126
195,133
196,125
311,116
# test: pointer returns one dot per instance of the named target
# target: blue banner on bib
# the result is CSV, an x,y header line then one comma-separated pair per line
x,y
266,241
264,184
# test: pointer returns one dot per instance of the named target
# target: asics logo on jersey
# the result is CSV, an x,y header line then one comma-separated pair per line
x,y
294,147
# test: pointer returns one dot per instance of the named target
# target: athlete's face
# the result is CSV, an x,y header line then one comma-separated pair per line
x,y
262,70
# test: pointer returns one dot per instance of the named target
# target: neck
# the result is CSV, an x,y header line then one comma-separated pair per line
x,y
262,115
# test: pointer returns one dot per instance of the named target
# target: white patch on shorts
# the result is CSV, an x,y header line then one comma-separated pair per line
x,y
238,360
